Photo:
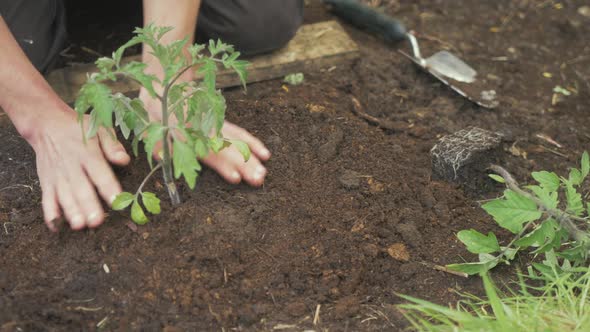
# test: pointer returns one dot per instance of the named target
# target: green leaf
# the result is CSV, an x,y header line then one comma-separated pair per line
x,y
185,163
137,214
239,67
136,70
294,79
478,243
539,236
512,211
217,144
585,165
153,134
549,199
105,64
497,178
574,200
208,70
122,201
547,180
201,149
98,97
476,267
575,177
151,202
118,54
242,147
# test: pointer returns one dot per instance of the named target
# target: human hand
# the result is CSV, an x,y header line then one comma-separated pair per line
x,y
70,171
229,162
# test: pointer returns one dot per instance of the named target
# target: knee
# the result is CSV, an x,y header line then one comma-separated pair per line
x,y
263,28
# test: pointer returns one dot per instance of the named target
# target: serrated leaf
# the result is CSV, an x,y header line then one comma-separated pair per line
x,y
239,67
201,149
153,134
122,201
478,243
574,200
585,165
217,144
208,70
137,214
547,180
509,253
105,64
497,178
549,199
151,202
575,177
136,70
96,96
512,211
185,163
243,148
539,236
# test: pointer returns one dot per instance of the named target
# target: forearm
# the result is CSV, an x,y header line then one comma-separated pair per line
x,y
182,15
24,93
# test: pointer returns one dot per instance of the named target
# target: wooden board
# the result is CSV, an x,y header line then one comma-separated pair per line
x,y
315,46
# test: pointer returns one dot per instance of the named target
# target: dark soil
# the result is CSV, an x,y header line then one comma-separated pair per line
x,y
342,199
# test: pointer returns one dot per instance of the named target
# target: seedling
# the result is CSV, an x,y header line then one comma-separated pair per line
x,y
538,219
192,113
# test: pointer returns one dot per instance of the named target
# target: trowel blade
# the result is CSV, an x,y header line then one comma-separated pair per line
x,y
448,65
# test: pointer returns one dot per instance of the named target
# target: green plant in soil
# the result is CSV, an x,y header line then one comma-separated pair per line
x,y
552,301
550,218
198,110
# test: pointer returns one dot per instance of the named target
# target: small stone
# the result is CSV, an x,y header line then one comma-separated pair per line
x,y
350,179
584,11
145,235
399,252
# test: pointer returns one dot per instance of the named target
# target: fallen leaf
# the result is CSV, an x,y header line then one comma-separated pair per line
x,y
399,252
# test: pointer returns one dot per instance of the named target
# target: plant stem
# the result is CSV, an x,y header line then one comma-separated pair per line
x,y
565,219
166,160
139,190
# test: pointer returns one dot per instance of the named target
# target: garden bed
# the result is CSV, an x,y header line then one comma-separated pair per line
x,y
348,216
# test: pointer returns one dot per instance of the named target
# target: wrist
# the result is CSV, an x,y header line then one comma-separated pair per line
x,y
32,116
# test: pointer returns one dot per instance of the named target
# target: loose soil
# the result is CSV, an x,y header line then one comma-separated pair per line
x,y
348,216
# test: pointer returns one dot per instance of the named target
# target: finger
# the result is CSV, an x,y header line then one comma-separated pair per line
x,y
223,164
104,179
69,206
256,146
253,172
85,195
50,207
112,148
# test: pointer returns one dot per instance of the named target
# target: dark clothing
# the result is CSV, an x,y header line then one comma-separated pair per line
x,y
252,26
39,27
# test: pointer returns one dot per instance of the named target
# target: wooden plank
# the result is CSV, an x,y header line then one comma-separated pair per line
x,y
315,46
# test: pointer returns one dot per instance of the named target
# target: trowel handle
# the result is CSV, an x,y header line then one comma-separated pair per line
x,y
367,18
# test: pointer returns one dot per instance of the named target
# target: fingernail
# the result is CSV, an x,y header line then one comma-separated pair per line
x,y
259,172
112,199
77,221
120,155
235,175
93,218
265,153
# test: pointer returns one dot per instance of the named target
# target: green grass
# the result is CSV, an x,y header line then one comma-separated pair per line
x,y
559,304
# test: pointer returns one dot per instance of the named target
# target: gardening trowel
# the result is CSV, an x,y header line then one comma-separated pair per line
x,y
443,65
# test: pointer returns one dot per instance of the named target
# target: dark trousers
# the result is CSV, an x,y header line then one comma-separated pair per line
x,y
252,26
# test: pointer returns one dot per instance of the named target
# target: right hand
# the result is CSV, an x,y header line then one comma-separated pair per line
x,y
70,172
